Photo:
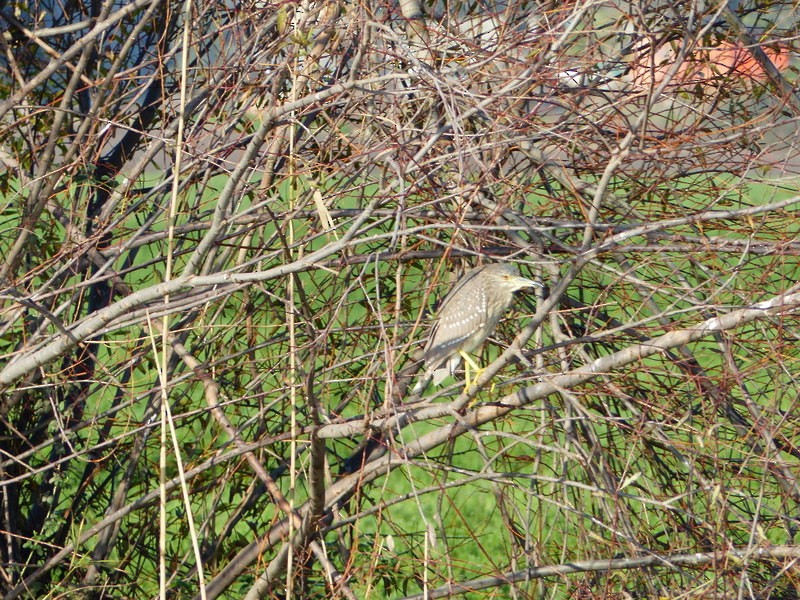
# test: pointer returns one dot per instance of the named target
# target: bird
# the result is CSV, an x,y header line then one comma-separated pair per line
x,y
467,316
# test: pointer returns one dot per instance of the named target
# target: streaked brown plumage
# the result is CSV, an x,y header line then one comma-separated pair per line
x,y
468,315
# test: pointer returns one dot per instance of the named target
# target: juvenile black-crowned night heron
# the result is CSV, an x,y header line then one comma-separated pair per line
x,y
467,316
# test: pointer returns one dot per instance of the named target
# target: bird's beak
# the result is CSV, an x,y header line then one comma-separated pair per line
x,y
524,282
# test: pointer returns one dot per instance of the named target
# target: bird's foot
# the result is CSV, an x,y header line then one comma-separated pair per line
x,y
469,363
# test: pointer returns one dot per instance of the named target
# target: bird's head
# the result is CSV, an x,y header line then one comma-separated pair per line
x,y
507,278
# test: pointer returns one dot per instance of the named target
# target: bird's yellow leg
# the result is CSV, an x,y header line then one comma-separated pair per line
x,y
469,363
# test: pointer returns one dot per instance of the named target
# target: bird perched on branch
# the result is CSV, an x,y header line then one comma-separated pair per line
x,y
467,316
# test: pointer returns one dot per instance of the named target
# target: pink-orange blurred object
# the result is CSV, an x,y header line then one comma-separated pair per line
x,y
730,61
